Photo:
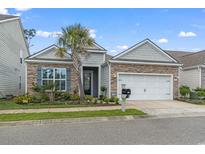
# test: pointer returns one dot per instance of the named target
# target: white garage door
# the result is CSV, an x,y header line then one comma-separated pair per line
x,y
146,87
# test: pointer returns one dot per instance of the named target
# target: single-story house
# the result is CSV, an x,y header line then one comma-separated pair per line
x,y
192,72
149,71
13,51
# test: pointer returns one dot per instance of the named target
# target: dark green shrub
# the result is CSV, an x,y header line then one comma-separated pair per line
x,y
88,98
184,90
102,97
116,100
199,89
112,99
201,94
74,97
106,100
25,99
62,96
40,98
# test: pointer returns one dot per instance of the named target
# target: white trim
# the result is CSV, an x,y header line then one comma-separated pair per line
x,y
143,42
90,71
95,51
109,79
99,46
104,58
26,75
193,67
145,63
44,50
48,61
199,68
54,79
11,19
146,74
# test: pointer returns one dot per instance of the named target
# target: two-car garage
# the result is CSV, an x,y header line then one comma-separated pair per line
x,y
146,86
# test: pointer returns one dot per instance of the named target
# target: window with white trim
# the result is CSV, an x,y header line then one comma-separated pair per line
x,y
54,76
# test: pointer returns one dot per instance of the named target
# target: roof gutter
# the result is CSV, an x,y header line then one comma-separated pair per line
x,y
48,61
145,63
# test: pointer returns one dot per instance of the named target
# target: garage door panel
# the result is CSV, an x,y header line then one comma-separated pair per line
x,y
147,87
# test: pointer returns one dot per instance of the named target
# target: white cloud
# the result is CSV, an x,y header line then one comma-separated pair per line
x,y
4,11
22,9
113,51
47,34
163,40
198,26
187,34
122,47
92,33
196,49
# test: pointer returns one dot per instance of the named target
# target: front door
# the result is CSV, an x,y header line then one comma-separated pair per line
x,y
88,82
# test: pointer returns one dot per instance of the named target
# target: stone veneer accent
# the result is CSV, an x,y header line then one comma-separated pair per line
x,y
136,68
32,74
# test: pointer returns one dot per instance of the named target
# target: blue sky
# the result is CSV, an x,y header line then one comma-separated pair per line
x,y
117,29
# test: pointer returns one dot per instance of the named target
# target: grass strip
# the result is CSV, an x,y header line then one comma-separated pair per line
x,y
59,115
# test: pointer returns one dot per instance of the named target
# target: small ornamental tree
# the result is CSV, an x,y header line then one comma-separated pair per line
x,y
184,91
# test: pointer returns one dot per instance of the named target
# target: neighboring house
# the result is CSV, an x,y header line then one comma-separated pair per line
x,y
146,69
13,50
192,73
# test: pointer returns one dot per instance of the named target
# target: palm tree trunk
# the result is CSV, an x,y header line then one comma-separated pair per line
x,y
77,65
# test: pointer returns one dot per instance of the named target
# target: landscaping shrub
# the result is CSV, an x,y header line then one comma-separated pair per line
x,y
40,98
74,97
88,98
95,101
106,100
199,89
102,97
184,90
25,99
62,96
112,99
201,94
116,100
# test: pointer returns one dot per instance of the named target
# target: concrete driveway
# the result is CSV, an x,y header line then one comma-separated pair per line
x,y
167,107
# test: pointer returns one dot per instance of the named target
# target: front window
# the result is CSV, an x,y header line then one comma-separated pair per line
x,y
54,76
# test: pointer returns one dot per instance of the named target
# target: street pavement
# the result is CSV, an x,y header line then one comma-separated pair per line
x,y
187,130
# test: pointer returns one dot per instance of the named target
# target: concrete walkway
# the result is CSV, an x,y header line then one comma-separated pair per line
x,y
62,109
158,108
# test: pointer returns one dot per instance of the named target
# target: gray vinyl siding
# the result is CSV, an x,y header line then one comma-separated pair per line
x,y
203,77
105,77
190,78
11,42
146,52
51,54
93,58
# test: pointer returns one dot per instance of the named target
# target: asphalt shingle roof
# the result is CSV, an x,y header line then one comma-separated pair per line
x,y
5,17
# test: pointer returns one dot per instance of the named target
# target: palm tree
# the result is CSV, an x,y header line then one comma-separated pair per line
x,y
75,38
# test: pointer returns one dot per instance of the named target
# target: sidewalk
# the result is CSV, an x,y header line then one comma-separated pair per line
x,y
62,109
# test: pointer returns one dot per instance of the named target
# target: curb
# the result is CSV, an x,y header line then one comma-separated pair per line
x,y
72,120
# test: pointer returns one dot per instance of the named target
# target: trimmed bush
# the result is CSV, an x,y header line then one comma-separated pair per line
x,y
25,99
106,100
184,90
74,97
201,94
116,100
88,98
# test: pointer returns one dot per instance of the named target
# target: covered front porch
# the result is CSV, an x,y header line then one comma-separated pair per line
x,y
91,81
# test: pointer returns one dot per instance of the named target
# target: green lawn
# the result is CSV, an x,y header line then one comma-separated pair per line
x,y
58,115
7,105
